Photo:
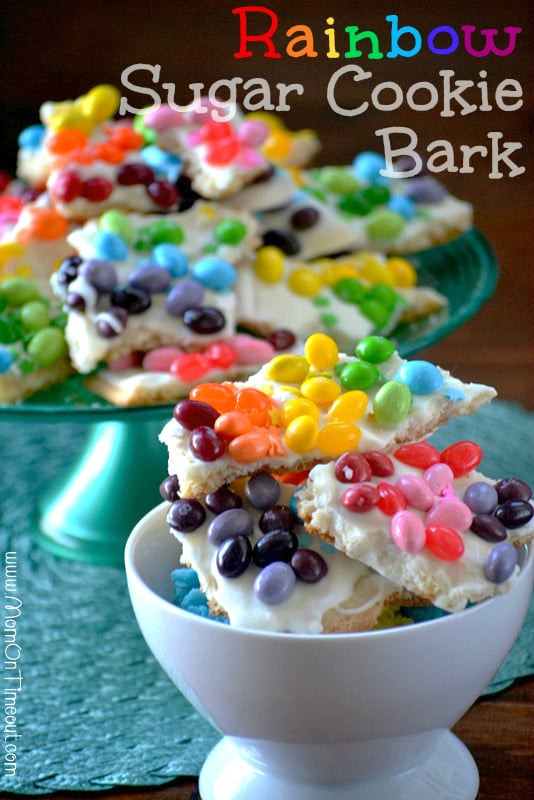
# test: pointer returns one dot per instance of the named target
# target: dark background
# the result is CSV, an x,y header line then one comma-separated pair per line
x,y
58,50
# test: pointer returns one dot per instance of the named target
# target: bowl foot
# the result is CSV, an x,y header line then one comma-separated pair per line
x,y
449,771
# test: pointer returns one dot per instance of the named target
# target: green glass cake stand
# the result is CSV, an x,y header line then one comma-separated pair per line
x,y
88,513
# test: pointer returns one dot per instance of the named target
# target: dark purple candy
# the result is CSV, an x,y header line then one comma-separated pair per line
x,y
222,499
282,339
234,556
132,174
204,320
193,413
501,563
488,527
230,523
304,218
308,565
514,513
284,240
112,322
151,278
205,444
169,488
277,518
274,546
68,270
186,515
134,300
101,274
513,489
76,301
262,491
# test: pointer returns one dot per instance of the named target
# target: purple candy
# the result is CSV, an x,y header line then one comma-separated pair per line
x,y
275,583
186,294
425,190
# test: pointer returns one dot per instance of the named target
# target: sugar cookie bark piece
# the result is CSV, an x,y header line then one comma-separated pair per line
x,y
303,409
140,281
400,215
348,597
386,541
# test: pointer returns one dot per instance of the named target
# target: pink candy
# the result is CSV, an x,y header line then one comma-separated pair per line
x,y
163,118
438,477
253,132
160,360
452,513
251,351
408,531
416,491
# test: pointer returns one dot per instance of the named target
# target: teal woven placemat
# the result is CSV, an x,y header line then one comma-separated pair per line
x,y
95,710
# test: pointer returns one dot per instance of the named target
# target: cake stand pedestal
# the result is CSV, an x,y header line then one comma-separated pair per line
x,y
88,512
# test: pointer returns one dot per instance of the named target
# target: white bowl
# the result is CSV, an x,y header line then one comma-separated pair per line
x,y
363,716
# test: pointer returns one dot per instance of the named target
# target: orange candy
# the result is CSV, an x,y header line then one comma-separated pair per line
x,y
126,138
42,223
256,404
66,141
222,396
232,424
250,447
107,151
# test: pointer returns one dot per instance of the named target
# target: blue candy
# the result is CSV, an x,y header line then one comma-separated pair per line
x,y
172,258
110,246
367,165
165,165
215,273
402,205
32,137
421,377
6,359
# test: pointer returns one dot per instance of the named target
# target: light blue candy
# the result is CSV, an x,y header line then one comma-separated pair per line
x,y
165,165
32,137
402,205
367,165
6,359
172,258
215,273
421,377
110,246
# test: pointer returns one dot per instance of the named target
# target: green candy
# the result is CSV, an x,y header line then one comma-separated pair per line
x,y
35,315
230,231
355,204
18,291
383,294
384,224
374,349
376,195
350,290
47,346
392,403
117,222
164,231
376,311
357,375
338,180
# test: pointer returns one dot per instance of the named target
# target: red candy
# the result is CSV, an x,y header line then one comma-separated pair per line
x,y
444,542
352,468
190,367
221,355
381,465
462,457
390,499
96,189
360,498
419,454
67,186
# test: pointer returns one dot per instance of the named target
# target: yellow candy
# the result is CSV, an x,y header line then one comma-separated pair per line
x,y
100,103
402,272
337,437
320,390
301,434
277,145
296,408
269,264
374,271
288,369
10,250
321,351
349,406
68,116
305,282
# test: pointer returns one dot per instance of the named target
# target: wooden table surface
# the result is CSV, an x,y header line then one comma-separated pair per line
x,y
495,347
